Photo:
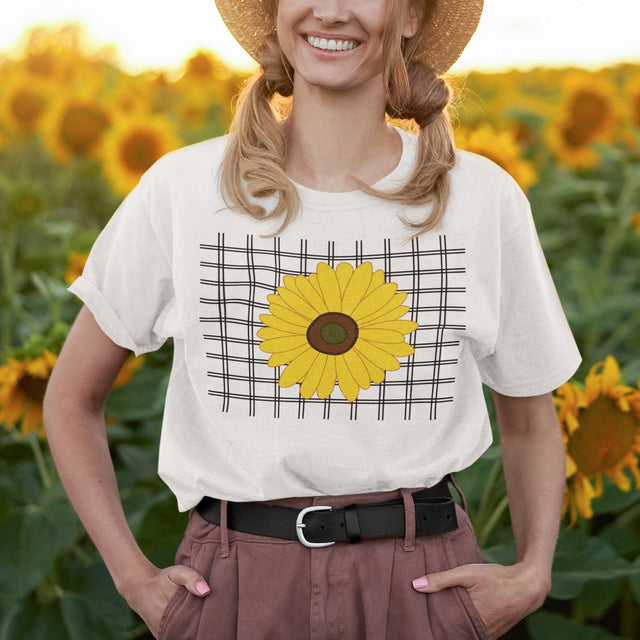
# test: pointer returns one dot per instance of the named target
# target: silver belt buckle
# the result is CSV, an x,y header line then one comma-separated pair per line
x,y
301,525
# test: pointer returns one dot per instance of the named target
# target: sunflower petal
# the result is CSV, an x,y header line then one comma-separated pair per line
x,y
402,326
393,304
384,316
374,300
288,315
357,368
305,289
381,335
356,288
277,323
380,358
346,381
297,302
283,357
328,380
377,280
344,271
297,369
328,281
313,377
276,345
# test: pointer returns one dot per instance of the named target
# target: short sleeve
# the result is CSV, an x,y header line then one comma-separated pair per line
x,y
534,351
127,279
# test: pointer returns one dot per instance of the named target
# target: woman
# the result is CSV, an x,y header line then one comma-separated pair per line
x,y
337,289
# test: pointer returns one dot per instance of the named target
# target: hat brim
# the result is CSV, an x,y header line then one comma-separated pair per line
x,y
449,30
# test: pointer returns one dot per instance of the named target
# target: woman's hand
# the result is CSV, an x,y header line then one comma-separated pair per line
x,y
149,594
503,595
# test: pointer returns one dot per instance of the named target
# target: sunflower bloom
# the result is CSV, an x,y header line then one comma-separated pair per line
x,y
601,431
339,325
23,103
133,145
504,150
22,387
75,126
587,114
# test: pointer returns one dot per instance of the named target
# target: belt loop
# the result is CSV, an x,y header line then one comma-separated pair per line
x,y
409,520
224,531
462,498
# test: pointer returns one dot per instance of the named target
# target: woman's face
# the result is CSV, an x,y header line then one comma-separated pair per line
x,y
335,43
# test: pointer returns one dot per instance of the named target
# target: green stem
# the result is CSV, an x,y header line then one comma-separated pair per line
x,y
40,461
7,257
492,521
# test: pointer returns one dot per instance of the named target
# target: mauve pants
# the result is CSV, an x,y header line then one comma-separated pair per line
x,y
265,588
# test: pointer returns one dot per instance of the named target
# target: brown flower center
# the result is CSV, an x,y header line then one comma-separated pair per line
x,y
26,107
588,112
604,437
139,151
33,387
82,126
333,333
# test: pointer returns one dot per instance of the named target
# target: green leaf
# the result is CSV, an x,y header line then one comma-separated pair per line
x,y
580,558
544,625
143,397
635,580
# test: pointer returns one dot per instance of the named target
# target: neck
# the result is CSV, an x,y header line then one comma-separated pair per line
x,y
333,134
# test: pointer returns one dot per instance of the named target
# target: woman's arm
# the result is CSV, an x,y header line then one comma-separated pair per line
x,y
534,469
80,383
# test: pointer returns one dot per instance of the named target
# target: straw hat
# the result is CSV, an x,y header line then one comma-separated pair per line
x,y
449,30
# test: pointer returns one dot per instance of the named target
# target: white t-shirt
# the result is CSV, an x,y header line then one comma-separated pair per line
x,y
339,356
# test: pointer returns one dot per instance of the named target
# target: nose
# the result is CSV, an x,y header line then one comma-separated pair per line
x,y
331,11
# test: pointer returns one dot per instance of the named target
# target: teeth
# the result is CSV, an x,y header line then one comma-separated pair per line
x,y
331,45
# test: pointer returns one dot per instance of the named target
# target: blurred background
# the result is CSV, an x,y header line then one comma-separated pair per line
x,y
92,93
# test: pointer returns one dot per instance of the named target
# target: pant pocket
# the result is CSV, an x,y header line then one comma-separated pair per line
x,y
452,614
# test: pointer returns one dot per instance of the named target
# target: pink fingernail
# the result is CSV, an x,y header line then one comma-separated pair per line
x,y
420,583
202,587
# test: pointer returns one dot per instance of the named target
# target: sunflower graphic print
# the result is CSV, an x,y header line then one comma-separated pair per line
x,y
341,325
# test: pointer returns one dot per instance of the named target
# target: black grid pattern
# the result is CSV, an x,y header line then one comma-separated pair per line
x,y
236,281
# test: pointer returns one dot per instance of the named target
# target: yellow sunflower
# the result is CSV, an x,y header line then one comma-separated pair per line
x,y
23,102
133,145
75,126
587,114
601,431
76,262
22,387
336,325
503,149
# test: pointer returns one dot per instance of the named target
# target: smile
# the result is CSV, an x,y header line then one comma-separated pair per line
x,y
331,45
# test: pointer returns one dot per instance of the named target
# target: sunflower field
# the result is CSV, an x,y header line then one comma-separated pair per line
x,y
77,132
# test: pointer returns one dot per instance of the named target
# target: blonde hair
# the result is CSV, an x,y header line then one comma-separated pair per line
x,y
257,147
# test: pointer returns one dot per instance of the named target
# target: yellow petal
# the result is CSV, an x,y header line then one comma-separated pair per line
x,y
276,345
328,281
288,315
374,301
356,288
376,318
571,466
298,303
377,280
402,326
348,385
398,349
283,325
298,368
584,495
610,373
312,379
376,374
357,368
381,335
278,359
328,379
313,280
271,332
311,295
380,358
394,304
344,271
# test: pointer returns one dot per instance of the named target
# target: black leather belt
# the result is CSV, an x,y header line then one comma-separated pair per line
x,y
321,525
